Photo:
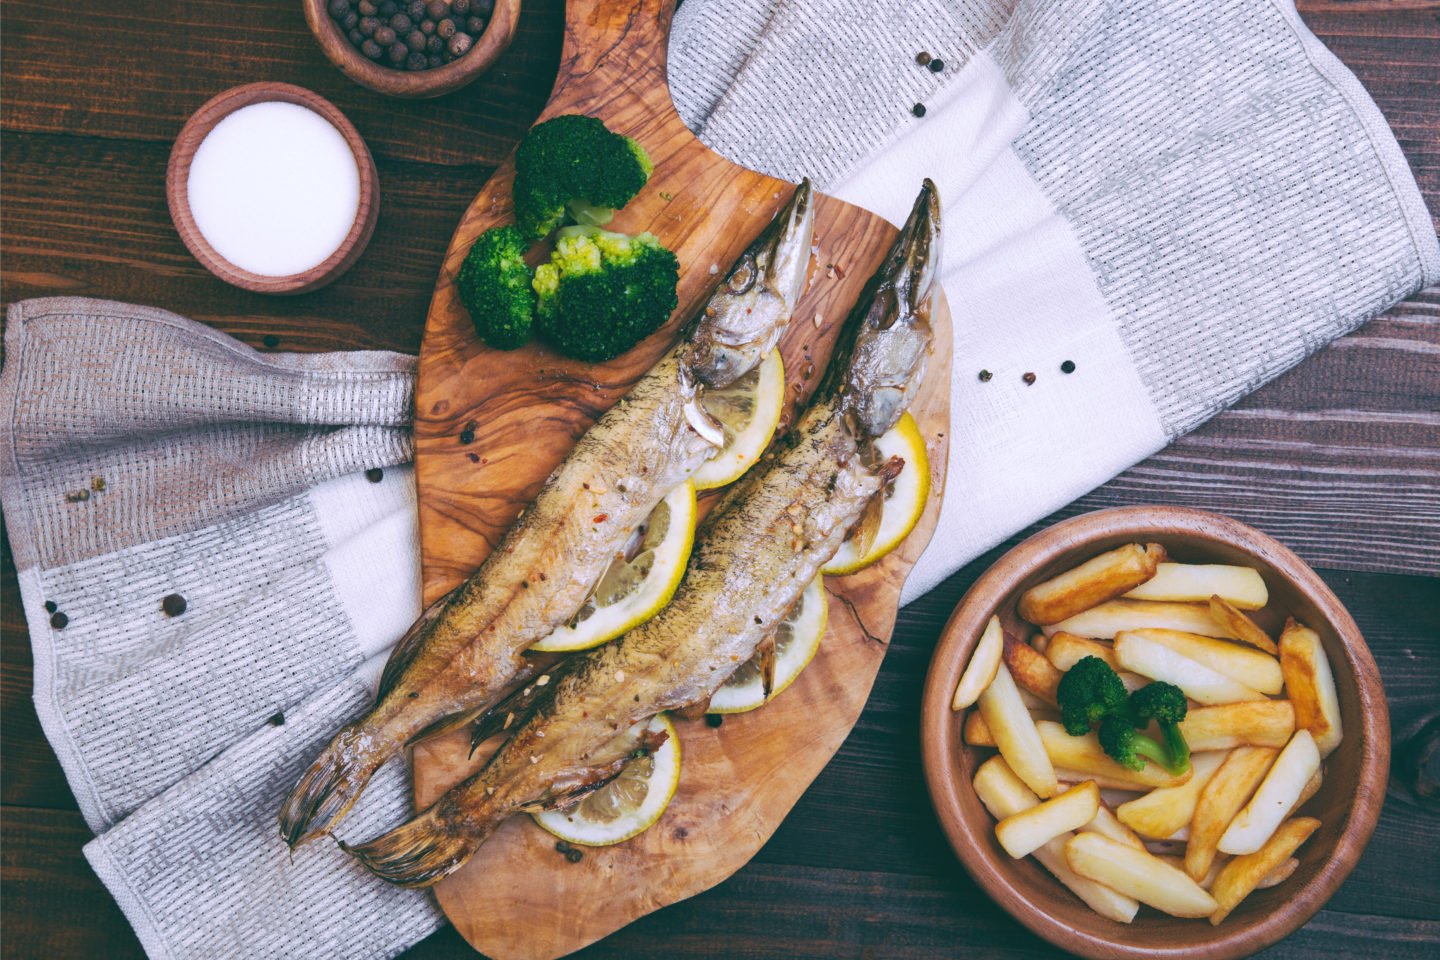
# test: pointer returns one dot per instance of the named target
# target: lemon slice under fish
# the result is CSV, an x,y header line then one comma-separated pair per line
x,y
796,640
902,501
748,411
639,581
627,805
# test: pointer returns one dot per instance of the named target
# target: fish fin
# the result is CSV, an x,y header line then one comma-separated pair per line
x,y
425,850
765,657
405,650
867,527
331,785
514,708
448,723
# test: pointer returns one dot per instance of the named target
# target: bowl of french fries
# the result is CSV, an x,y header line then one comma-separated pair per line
x,y
1153,731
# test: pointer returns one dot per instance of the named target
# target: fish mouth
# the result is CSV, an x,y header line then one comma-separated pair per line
x,y
752,306
888,336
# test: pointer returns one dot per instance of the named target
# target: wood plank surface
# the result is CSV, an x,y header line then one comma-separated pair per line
x,y
1338,459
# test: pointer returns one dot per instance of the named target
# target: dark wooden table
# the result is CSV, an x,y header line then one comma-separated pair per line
x,y
1340,459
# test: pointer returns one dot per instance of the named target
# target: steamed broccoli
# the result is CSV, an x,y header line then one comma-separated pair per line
x,y
1165,704
574,161
495,286
602,292
1088,693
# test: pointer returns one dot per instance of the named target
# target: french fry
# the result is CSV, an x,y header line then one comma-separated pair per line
x,y
1189,582
1111,785
1065,650
1279,875
1108,619
1092,583
1179,864
1004,794
1084,756
1235,621
1243,874
1021,834
1159,813
1158,662
982,666
1106,824
1220,800
975,731
1278,794
1242,664
1312,787
1015,734
1255,723
1030,670
1033,703
1311,685
1138,874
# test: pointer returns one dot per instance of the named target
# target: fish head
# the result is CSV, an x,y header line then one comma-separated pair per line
x,y
881,359
752,306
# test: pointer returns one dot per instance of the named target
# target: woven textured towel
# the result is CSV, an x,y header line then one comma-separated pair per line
x,y
1181,198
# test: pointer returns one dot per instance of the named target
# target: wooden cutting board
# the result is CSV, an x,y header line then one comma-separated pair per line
x,y
490,426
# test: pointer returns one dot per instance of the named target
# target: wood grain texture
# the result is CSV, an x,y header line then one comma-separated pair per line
x,y
859,868
522,411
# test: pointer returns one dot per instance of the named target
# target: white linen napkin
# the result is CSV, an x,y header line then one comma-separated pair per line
x,y
1181,199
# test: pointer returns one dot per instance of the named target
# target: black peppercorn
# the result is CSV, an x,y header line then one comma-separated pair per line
x,y
437,9
460,7
415,40
368,26
435,60
416,10
416,61
351,20
1029,379
467,436
58,620
714,719
475,25
50,606
482,8
173,605
573,855
374,474
388,8
1068,366
367,8
985,376
371,49
356,37
397,54
922,58
460,44
385,36
918,109
338,8
427,27
446,28
401,24
270,340
937,65
435,45
278,720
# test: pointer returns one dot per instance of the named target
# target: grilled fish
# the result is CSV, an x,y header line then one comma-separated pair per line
x,y
759,549
466,648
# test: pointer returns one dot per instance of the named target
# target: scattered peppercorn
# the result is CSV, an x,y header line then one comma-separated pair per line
x,y
97,484
278,720
922,58
173,604
413,35
467,436
714,719
374,474
937,65
1068,366
918,109
271,341
573,855
985,376
50,606
58,620
1029,378
562,846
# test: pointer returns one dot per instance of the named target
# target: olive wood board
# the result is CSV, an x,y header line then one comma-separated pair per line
x,y
490,426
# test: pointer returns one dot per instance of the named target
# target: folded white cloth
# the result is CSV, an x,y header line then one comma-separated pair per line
x,y
1181,199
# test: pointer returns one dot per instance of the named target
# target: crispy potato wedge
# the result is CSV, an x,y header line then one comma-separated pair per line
x,y
1084,756
1108,619
1106,824
1229,789
1159,813
1255,723
984,662
1278,794
1190,582
1015,734
1092,583
975,731
1279,875
1021,834
1243,874
1311,685
1242,664
1158,662
1004,794
1138,874
1030,670
1246,630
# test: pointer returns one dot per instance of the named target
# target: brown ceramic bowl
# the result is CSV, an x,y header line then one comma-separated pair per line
x,y
177,177
418,84
1355,774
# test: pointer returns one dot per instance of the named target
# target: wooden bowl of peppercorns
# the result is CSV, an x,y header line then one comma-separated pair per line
x,y
412,48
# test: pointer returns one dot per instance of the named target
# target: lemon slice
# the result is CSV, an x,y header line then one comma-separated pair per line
x,y
748,411
903,499
627,805
639,581
796,640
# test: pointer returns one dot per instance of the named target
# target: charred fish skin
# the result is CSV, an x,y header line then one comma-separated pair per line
x,y
755,555
466,648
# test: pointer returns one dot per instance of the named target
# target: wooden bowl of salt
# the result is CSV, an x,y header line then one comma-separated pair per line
x,y
272,189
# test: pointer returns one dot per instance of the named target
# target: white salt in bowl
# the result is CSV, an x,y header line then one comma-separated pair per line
x,y
272,189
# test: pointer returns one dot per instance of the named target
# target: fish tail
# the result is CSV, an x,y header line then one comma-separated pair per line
x,y
331,785
423,851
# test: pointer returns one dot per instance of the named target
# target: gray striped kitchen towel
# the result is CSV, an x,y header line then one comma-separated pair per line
x,y
1183,199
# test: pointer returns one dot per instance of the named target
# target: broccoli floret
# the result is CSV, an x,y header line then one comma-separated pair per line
x,y
1088,693
1165,704
574,161
602,292
495,286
